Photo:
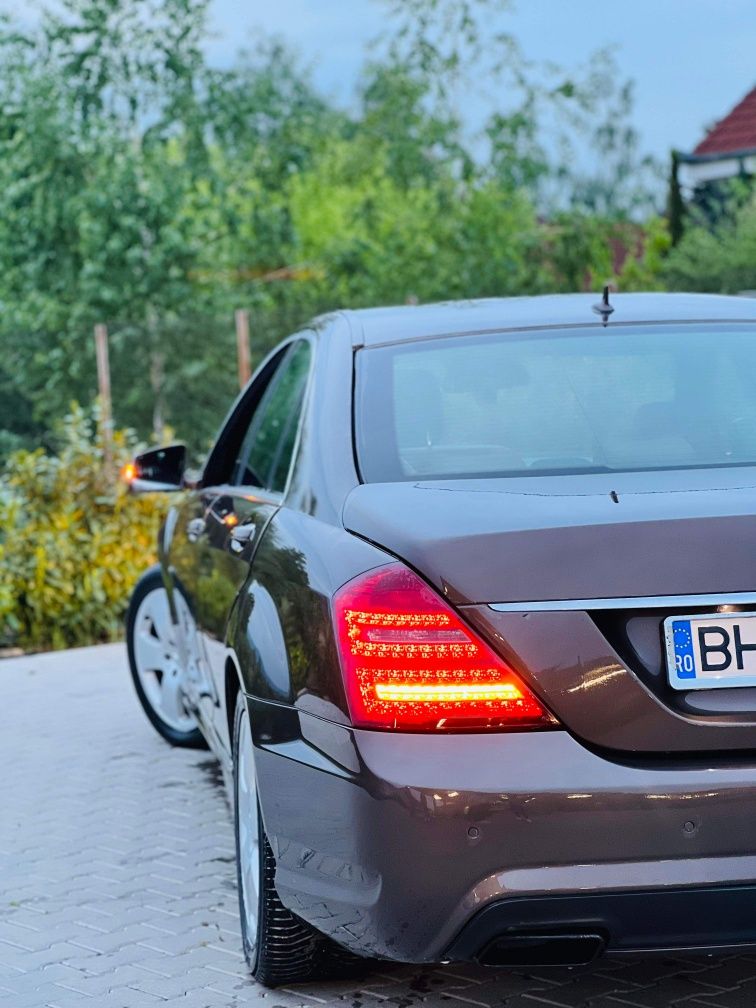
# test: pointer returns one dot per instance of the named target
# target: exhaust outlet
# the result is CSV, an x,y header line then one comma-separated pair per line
x,y
540,948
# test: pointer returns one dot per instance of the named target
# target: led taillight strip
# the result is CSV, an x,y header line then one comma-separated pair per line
x,y
446,693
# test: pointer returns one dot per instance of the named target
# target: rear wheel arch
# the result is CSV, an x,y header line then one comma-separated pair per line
x,y
280,947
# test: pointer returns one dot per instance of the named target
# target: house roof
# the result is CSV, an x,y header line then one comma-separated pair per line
x,y
735,133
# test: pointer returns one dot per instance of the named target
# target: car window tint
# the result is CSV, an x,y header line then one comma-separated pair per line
x,y
602,400
266,451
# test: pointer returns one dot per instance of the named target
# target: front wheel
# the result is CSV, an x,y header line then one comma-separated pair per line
x,y
151,639
279,947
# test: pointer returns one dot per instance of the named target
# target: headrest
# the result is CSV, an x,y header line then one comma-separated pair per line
x,y
419,408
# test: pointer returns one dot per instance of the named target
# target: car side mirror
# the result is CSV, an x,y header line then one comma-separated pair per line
x,y
161,469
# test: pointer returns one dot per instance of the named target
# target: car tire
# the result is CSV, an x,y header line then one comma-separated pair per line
x,y
154,664
279,947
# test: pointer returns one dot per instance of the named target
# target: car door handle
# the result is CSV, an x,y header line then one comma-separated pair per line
x,y
241,536
194,529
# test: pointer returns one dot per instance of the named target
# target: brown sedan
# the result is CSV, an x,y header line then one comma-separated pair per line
x,y
464,601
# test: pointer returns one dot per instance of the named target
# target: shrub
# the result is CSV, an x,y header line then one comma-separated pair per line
x,y
722,260
72,541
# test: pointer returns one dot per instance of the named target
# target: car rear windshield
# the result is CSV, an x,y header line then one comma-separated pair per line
x,y
613,399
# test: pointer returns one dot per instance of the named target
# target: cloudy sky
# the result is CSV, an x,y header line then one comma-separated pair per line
x,y
691,59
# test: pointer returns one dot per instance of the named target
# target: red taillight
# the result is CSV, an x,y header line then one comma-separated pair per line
x,y
410,663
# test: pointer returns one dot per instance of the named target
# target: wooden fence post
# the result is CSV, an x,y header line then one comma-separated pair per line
x,y
241,317
103,384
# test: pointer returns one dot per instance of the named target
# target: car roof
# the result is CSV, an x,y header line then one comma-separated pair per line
x,y
374,326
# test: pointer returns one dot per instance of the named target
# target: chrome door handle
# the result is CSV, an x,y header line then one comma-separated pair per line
x,y
241,536
194,529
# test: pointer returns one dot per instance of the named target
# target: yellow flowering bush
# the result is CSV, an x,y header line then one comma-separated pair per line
x,y
72,541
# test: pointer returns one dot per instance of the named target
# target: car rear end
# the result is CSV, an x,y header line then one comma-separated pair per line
x,y
550,677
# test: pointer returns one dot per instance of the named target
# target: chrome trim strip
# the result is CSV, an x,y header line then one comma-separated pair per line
x,y
636,602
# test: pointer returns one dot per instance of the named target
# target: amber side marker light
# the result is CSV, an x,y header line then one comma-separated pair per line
x,y
129,472
411,664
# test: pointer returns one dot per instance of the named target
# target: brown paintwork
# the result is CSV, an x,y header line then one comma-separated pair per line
x,y
566,537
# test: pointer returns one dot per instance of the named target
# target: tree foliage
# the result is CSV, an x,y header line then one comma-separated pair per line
x,y
720,260
71,547
143,188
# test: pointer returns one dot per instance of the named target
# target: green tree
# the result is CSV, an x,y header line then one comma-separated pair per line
x,y
142,188
675,202
722,260
624,183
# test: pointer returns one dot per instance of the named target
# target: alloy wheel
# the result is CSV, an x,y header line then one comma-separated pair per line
x,y
157,660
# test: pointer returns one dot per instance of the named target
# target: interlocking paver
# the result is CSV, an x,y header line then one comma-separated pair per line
x,y
117,882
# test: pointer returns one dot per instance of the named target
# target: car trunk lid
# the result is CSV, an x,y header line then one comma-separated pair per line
x,y
569,537
612,543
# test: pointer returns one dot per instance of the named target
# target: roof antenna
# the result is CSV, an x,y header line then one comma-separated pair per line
x,y
603,308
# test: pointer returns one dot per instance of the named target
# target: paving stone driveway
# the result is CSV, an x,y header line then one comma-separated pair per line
x,y
117,884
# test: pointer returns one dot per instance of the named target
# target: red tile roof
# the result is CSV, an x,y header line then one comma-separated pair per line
x,y
736,132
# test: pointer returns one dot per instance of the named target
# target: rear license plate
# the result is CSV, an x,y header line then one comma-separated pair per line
x,y
711,652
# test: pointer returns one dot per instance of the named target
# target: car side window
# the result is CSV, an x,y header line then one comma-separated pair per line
x,y
266,451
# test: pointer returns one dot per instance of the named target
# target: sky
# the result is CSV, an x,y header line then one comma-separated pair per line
x,y
691,60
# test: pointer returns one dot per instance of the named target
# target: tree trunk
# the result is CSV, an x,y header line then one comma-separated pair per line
x,y
157,377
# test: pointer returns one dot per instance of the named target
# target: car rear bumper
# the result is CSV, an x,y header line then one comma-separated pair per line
x,y
398,846
574,929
